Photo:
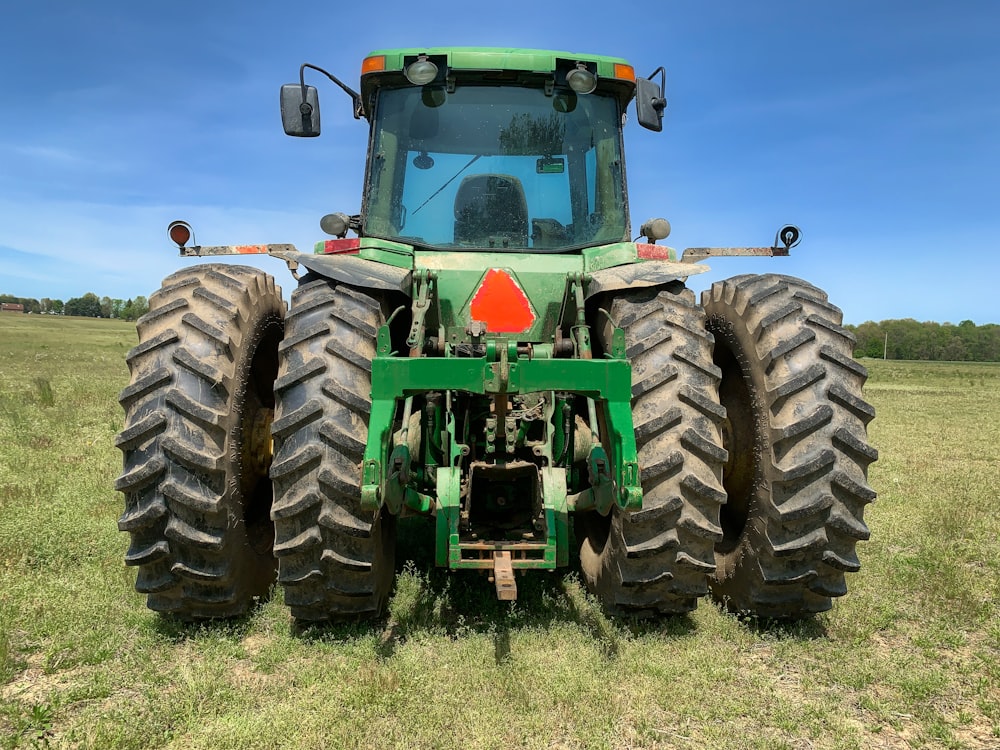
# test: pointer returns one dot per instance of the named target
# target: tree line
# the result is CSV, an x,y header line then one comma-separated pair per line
x,y
894,339
910,339
88,306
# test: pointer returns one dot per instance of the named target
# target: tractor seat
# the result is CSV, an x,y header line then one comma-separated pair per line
x,y
491,211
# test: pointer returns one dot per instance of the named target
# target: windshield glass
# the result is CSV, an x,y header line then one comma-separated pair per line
x,y
495,167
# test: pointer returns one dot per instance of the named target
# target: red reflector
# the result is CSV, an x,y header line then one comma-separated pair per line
x,y
332,247
501,304
654,252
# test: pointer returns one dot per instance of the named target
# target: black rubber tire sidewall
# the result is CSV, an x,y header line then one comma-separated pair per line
x,y
197,508
797,477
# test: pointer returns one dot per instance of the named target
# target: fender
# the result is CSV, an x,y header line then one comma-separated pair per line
x,y
638,275
347,269
354,271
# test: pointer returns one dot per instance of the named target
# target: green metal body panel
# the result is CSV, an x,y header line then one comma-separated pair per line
x,y
444,284
381,251
459,274
608,382
498,58
605,256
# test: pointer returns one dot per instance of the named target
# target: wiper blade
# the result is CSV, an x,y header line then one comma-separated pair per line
x,y
472,161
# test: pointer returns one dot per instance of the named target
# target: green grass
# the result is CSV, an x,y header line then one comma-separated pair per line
x,y
910,658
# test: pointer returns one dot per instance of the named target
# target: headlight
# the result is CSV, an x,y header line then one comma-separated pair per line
x,y
421,72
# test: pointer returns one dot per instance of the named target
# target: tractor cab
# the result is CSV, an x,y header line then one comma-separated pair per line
x,y
490,149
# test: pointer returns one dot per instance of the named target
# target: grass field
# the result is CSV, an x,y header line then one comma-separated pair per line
x,y
909,659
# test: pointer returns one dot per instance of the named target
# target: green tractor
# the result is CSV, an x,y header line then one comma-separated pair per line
x,y
494,351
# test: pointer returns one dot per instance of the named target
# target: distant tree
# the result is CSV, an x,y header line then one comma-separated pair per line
x,y
955,350
988,346
88,306
57,306
105,307
134,309
909,339
117,307
870,339
46,304
140,306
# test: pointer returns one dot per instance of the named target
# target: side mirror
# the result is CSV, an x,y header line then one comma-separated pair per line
x,y
300,117
649,104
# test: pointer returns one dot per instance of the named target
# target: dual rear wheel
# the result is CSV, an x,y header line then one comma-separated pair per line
x,y
750,428
219,380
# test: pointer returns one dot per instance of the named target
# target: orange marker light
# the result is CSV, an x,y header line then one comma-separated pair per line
x,y
624,71
501,304
179,233
373,64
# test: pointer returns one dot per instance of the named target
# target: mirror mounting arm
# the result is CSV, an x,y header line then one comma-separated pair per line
x,y
660,103
358,107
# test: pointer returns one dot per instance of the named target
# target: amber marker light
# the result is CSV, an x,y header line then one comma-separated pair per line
x,y
627,72
180,233
373,64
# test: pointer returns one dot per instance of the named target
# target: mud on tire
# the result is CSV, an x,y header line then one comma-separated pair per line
x,y
796,477
197,414
336,560
657,560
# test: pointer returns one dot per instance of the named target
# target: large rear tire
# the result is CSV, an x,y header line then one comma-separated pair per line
x,y
657,560
796,478
336,560
196,441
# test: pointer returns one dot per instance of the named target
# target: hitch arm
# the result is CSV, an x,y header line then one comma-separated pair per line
x,y
786,238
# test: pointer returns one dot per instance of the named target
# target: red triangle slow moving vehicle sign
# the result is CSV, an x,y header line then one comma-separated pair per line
x,y
501,304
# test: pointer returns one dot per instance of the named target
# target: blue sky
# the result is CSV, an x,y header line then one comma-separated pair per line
x,y
875,126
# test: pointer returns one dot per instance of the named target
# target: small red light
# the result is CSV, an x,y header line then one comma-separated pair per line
x,y
647,251
179,232
334,247
501,304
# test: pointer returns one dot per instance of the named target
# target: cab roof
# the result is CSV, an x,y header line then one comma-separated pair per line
x,y
501,58
496,66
